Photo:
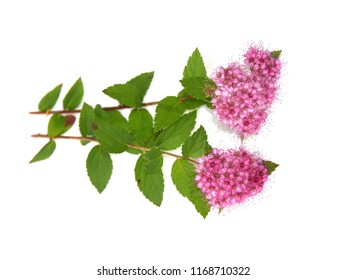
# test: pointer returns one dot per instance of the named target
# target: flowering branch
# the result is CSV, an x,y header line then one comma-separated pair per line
x,y
144,149
240,95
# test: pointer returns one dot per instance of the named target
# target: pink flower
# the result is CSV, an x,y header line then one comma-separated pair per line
x,y
245,92
262,63
229,177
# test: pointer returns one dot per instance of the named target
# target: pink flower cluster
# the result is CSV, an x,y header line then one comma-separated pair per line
x,y
229,177
246,91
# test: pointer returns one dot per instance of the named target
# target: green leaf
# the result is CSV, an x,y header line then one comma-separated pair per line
x,y
270,166
87,118
46,151
195,66
196,145
142,82
276,54
200,202
126,94
132,92
191,104
85,142
48,101
74,96
59,124
99,167
112,137
169,110
183,174
141,126
197,87
149,176
111,117
174,136
153,160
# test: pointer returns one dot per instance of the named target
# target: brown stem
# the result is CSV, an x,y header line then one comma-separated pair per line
x,y
129,145
119,107
65,137
163,152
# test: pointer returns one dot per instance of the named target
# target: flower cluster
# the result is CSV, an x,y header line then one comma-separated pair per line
x,y
229,177
246,91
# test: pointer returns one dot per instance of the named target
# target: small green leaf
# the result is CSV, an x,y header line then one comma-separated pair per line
x,y
59,124
195,66
87,118
197,87
169,110
132,92
111,117
276,54
149,176
196,145
112,137
99,167
126,94
270,166
48,101
142,82
174,136
46,151
141,126
84,142
183,176
74,96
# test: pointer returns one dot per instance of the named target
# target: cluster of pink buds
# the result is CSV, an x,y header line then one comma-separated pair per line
x,y
229,177
246,91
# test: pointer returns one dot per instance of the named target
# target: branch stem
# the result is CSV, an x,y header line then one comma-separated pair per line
x,y
119,107
80,138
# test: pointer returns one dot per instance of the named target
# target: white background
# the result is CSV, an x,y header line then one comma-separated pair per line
x,y
54,224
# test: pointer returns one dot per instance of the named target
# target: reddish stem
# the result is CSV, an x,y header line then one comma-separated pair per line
x,y
80,138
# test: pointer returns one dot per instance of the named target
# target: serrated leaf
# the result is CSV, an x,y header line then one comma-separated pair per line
x,y
141,126
111,117
196,145
59,124
48,101
87,118
45,152
112,137
149,176
99,167
197,86
276,54
132,92
270,166
183,174
153,160
191,104
74,96
142,82
174,136
126,94
200,202
169,110
195,66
